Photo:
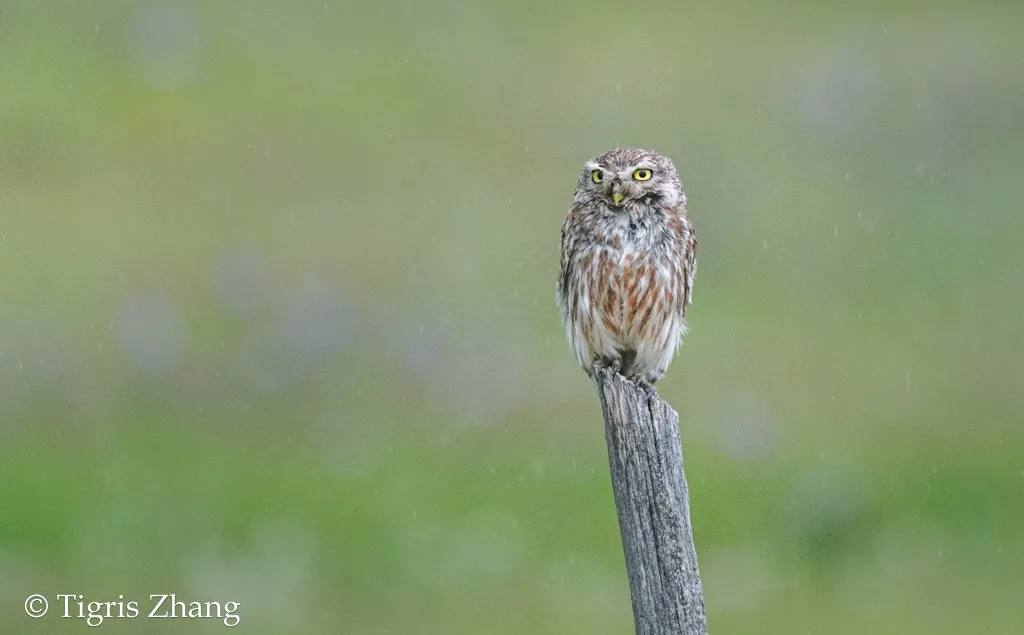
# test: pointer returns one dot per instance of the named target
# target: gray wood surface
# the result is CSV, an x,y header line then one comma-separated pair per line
x,y
645,455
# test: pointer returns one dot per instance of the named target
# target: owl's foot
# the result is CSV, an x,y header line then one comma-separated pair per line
x,y
608,364
647,387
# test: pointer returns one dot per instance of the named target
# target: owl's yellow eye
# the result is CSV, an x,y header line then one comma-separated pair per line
x,y
643,174
596,176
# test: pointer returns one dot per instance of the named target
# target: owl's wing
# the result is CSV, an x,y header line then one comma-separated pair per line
x,y
685,250
568,246
691,267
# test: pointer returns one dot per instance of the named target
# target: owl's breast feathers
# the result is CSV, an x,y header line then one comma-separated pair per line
x,y
623,292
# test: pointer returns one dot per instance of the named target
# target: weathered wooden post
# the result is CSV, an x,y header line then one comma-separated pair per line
x,y
646,460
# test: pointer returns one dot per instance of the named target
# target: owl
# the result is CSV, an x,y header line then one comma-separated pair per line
x,y
628,263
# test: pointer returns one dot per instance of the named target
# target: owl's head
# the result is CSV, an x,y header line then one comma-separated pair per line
x,y
629,175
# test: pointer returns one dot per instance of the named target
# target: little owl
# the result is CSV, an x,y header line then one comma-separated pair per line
x,y
628,261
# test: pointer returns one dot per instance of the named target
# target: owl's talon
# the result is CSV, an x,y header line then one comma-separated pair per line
x,y
608,365
647,387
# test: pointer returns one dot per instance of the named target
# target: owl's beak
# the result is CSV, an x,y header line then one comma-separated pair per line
x,y
617,196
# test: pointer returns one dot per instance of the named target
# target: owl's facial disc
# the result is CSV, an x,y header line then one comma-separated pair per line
x,y
620,183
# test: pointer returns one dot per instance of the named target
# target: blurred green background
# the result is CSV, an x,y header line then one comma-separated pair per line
x,y
277,320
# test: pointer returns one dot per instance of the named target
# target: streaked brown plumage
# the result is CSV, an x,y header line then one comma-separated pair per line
x,y
628,262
